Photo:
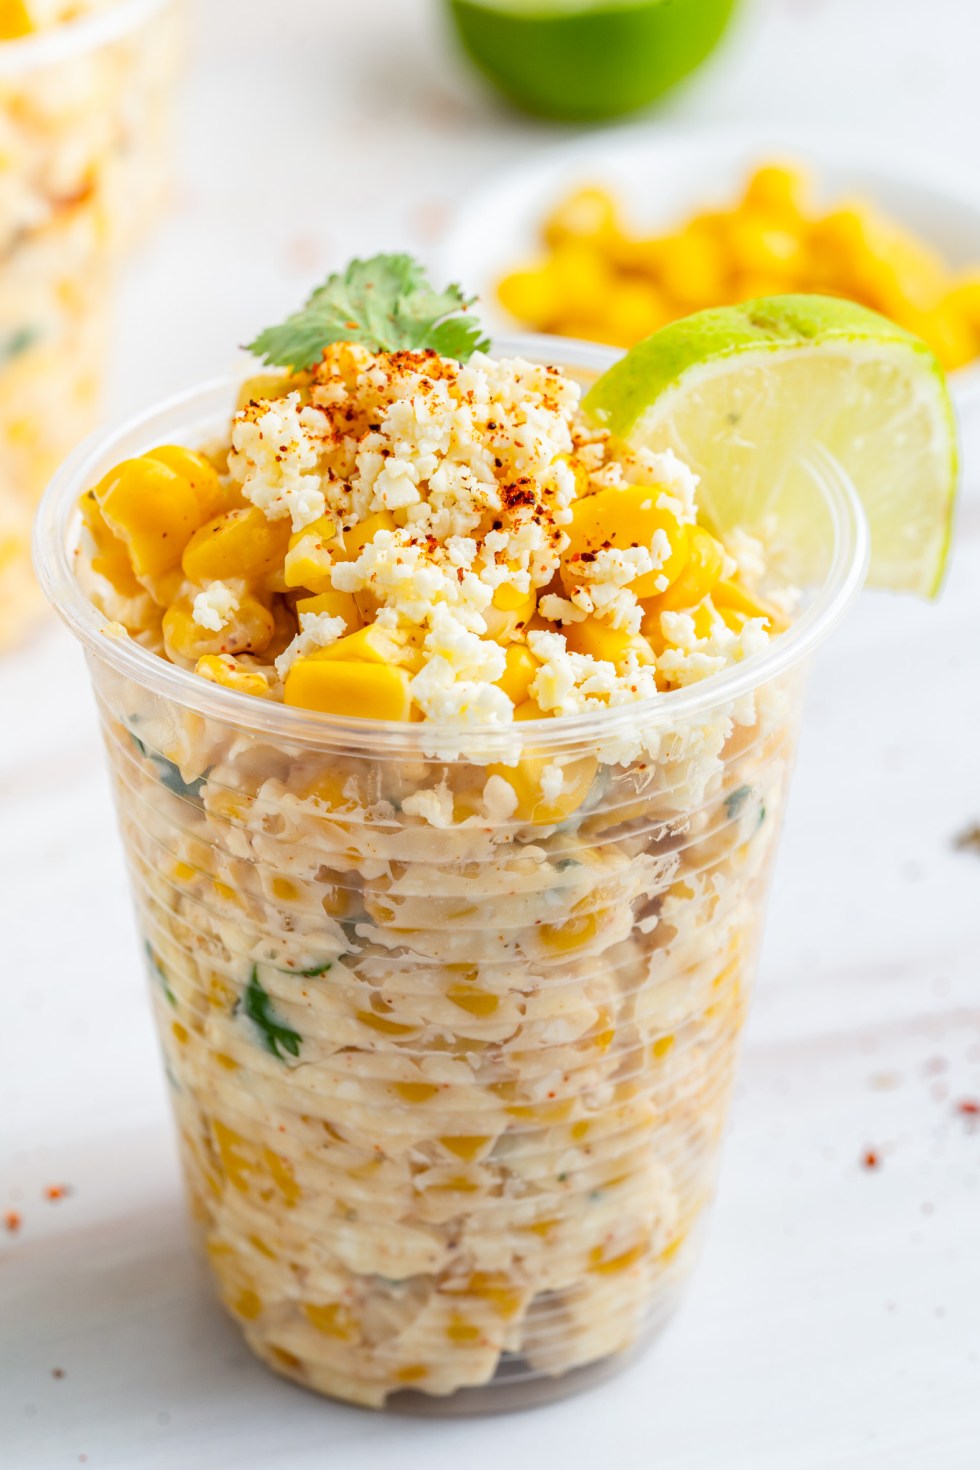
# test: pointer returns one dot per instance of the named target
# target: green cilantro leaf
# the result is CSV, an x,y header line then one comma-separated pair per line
x,y
387,304
258,1009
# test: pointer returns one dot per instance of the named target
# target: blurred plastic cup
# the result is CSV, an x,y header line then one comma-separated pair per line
x,y
84,144
449,1016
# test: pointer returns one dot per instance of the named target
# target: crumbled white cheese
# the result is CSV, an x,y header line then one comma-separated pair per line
x,y
274,457
571,683
499,799
214,607
552,781
434,805
316,630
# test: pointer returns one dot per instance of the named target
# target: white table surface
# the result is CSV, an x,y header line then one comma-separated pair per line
x,y
835,1320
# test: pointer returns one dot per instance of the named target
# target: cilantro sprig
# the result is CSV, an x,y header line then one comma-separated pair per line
x,y
387,304
275,1033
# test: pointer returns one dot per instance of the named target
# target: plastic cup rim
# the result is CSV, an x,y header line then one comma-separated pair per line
x,y
56,526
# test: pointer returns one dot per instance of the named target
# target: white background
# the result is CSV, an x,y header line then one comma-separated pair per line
x,y
835,1320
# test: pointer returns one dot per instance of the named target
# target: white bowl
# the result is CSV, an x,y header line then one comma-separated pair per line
x,y
661,176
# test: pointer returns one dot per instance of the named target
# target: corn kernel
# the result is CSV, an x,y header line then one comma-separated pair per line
x,y
152,510
199,473
335,604
519,672
353,542
692,268
586,214
248,631
111,558
271,385
701,573
309,560
416,1092
600,641
333,1319
221,668
15,20
531,295
730,595
777,189
374,645
526,780
370,691
238,543
624,518
476,1002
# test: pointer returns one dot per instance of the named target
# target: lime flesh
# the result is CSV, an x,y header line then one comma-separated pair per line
x,y
741,393
580,62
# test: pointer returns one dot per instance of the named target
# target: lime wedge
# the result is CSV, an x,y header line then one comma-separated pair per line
x,y
587,59
742,392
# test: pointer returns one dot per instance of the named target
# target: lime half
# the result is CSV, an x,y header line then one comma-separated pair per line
x,y
743,393
586,59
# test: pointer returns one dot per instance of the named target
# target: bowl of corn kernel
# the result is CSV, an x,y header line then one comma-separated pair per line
x,y
607,239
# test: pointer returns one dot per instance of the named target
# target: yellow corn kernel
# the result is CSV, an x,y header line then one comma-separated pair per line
x,y
412,1373
526,780
236,1163
15,20
538,1227
582,279
374,645
111,557
282,1173
624,518
199,473
758,246
239,543
461,1331
247,1304
333,1319
271,385
600,641
567,937
476,1002
691,268
181,1033
519,672
585,214
384,1024
509,612
248,630
308,562
633,310
699,576
466,1147
776,189
335,604
224,1060
608,1267
221,668
531,296
416,1092
353,542
662,1046
529,710
730,595
334,687
152,510
496,1288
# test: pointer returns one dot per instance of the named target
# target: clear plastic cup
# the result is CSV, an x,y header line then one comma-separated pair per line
x,y
450,1075
84,133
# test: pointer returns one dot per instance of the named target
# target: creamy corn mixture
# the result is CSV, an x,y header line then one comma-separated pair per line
x,y
83,148
450,1021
